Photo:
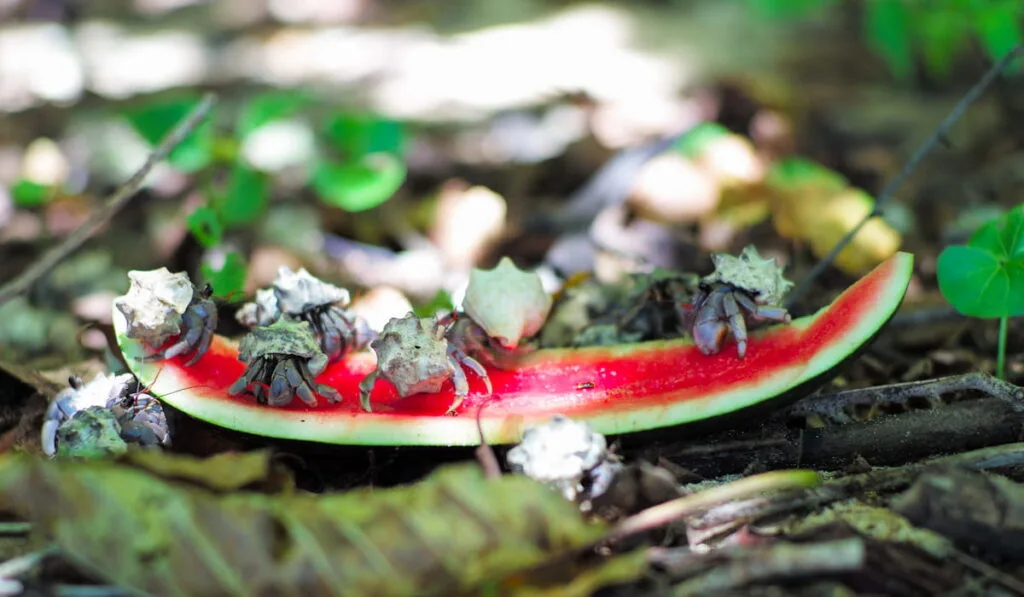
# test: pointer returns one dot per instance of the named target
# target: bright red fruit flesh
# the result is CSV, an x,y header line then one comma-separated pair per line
x,y
617,389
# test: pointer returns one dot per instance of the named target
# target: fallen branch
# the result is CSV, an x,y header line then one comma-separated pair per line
x,y
939,136
111,204
833,405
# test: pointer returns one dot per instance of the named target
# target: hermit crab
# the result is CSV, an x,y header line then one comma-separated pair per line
x,y
160,305
414,355
282,361
135,416
502,307
741,291
299,296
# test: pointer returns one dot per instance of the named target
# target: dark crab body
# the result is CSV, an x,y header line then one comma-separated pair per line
x,y
160,306
198,324
742,291
415,356
718,310
299,296
139,416
142,420
282,361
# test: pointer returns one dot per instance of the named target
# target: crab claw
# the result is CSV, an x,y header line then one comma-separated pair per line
x,y
49,436
198,324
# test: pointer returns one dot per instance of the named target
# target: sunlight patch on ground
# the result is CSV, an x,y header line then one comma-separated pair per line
x,y
38,63
409,72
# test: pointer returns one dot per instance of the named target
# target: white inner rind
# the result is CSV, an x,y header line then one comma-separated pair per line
x,y
369,429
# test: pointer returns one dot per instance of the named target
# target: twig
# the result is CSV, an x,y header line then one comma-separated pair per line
x,y
938,137
111,205
15,528
777,563
662,514
14,568
832,405
877,482
484,452
988,571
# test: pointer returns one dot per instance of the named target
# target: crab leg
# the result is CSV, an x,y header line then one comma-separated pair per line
x,y
293,377
737,323
762,312
332,339
365,387
326,391
194,331
253,375
460,382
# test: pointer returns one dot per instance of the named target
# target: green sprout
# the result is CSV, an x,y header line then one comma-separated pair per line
x,y
359,164
985,277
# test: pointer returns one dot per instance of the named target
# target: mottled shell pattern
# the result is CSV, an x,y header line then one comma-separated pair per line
x,y
562,453
284,338
293,294
412,354
263,311
153,306
508,303
752,273
299,292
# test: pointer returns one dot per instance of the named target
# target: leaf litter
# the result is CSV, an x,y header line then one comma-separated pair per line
x,y
179,511
448,535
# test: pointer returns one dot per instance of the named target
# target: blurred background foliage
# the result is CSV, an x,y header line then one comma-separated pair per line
x,y
398,143
931,33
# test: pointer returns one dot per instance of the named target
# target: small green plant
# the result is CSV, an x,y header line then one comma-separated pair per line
x,y
359,164
985,277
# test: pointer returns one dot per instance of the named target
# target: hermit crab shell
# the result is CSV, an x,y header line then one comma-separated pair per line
x,y
751,272
284,338
412,354
299,292
508,303
262,311
153,306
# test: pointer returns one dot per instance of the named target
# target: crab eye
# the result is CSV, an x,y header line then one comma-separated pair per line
x,y
207,291
704,286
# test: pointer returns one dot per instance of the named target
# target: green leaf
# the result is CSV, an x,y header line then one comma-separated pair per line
x,y
452,534
27,193
357,136
998,25
696,141
442,301
980,284
1002,237
229,280
204,225
362,185
792,173
940,35
155,119
245,199
787,9
269,107
889,34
